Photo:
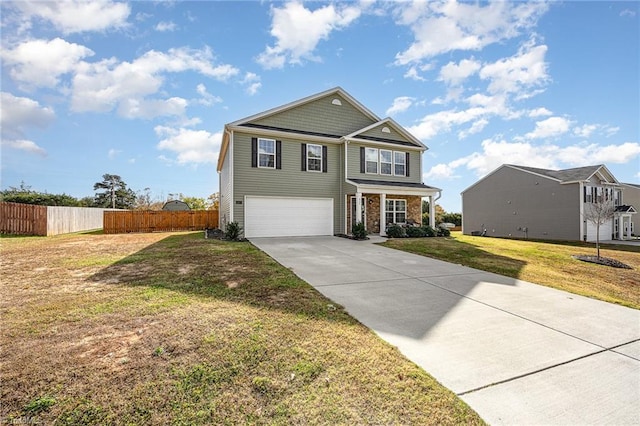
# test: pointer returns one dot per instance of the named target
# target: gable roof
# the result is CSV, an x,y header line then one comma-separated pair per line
x,y
408,138
291,105
625,209
577,174
574,175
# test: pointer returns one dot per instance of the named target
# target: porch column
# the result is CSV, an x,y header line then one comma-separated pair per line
x,y
432,212
383,215
358,207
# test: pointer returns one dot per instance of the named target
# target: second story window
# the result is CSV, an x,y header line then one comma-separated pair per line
x,y
386,162
267,153
371,160
314,158
399,163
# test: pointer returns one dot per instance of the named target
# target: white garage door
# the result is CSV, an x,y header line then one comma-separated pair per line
x,y
287,217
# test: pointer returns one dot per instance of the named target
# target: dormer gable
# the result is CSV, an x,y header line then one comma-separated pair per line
x,y
386,131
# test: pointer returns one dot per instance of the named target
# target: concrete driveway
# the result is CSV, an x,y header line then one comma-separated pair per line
x,y
518,353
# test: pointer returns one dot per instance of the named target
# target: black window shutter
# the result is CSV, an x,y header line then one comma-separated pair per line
x,y
278,154
303,159
406,167
362,159
324,159
254,152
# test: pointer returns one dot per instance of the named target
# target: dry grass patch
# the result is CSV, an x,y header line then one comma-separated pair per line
x,y
541,262
176,329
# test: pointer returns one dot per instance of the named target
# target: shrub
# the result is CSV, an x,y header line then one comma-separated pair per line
x,y
415,232
359,232
428,231
396,231
443,232
232,231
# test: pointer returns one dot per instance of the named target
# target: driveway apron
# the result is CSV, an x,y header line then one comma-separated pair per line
x,y
516,352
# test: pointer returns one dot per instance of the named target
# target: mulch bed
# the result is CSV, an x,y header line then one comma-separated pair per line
x,y
602,261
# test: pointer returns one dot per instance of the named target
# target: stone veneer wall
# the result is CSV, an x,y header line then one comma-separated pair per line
x,y
414,210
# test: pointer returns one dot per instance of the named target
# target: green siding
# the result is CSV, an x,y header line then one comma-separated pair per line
x,y
320,116
376,132
290,181
353,166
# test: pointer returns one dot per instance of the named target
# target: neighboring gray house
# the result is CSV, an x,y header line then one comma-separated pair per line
x,y
318,165
527,202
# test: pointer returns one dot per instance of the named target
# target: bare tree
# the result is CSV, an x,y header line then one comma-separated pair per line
x,y
599,212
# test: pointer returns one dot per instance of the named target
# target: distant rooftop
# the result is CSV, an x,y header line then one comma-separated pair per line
x,y
566,175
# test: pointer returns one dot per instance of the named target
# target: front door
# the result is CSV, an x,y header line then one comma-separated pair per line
x,y
353,211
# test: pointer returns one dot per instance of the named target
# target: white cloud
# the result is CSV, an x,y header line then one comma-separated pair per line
x,y
454,74
18,116
107,84
113,153
412,73
207,98
519,73
166,26
40,63
586,130
74,16
400,104
25,145
539,112
191,146
476,127
443,26
150,108
551,127
298,31
252,81
628,13
498,152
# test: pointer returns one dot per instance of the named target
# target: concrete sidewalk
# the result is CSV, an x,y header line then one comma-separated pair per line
x,y
518,353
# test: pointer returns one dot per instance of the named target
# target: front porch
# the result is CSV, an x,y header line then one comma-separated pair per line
x,y
623,223
378,204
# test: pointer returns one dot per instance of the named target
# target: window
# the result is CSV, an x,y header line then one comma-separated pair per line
x,y
371,160
385,162
267,153
314,158
399,163
396,211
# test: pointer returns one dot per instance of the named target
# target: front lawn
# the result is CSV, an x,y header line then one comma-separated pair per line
x,y
176,329
546,263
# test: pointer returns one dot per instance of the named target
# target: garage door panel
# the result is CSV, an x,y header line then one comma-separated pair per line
x,y
281,216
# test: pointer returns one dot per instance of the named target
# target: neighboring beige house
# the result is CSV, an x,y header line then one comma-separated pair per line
x,y
318,165
527,202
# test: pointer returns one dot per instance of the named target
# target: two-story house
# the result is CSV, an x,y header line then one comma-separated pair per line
x,y
318,165
527,202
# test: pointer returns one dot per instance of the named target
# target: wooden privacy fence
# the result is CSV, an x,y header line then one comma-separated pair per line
x,y
29,219
23,219
119,222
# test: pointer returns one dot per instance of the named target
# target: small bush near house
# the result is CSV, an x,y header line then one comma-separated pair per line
x,y
415,232
396,231
428,231
359,232
443,232
233,231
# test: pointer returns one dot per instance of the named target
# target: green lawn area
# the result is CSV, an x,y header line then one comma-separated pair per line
x,y
541,262
176,329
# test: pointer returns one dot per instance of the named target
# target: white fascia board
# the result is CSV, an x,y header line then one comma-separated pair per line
x,y
285,135
396,146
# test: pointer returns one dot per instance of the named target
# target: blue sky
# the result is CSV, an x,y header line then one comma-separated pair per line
x,y
143,89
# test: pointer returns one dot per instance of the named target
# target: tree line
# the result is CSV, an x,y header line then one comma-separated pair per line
x,y
110,192
441,215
